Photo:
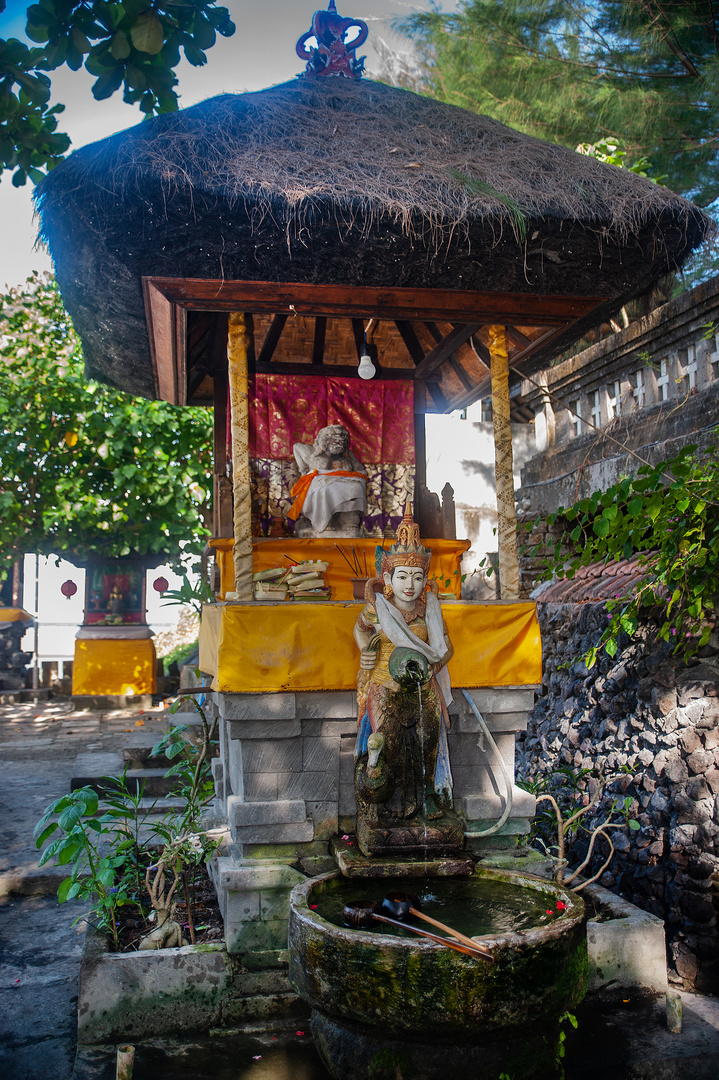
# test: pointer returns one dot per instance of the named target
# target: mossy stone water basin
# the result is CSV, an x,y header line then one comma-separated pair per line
x,y
375,993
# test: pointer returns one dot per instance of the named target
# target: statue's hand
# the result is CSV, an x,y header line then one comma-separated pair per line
x,y
368,659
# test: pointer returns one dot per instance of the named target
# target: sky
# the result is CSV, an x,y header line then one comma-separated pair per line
x,y
260,53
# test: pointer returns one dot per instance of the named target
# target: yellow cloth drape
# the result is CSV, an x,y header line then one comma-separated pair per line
x,y
256,648
14,614
110,666
445,566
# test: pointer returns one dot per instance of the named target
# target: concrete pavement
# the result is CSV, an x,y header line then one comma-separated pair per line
x,y
40,940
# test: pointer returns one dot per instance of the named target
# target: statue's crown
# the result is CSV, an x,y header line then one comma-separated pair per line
x,y
407,551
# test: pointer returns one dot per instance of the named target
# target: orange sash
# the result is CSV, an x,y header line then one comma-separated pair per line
x,y
302,487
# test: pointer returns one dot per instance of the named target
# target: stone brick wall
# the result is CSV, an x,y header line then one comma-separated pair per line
x,y
650,726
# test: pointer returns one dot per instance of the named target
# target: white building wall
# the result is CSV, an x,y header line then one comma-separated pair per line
x,y
461,452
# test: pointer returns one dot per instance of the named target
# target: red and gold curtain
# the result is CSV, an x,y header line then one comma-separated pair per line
x,y
379,415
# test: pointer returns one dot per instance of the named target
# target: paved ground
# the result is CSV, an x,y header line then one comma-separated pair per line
x,y
41,941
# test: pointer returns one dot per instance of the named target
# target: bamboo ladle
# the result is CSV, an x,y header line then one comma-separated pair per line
x,y
402,904
359,915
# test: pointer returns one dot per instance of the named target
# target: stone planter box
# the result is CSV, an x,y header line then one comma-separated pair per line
x,y
170,991
626,946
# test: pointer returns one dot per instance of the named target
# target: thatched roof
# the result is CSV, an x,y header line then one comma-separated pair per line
x,y
356,183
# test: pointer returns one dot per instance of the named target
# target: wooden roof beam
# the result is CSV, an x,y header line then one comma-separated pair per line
x,y
318,344
270,343
411,341
358,331
454,362
437,396
287,367
518,337
445,349
355,301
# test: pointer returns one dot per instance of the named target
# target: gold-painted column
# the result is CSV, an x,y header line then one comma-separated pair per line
x,y
503,466
239,421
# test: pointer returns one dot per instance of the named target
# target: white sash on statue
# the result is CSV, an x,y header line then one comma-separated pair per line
x,y
391,621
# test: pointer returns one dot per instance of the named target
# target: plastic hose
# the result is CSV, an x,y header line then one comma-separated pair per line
x,y
508,808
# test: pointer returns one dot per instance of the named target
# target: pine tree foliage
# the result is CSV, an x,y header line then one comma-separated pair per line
x,y
643,73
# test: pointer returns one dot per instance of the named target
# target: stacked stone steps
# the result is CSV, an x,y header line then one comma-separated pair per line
x,y
93,769
145,771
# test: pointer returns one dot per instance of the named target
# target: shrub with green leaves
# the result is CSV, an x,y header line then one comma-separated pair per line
x,y
668,517
85,842
86,470
100,837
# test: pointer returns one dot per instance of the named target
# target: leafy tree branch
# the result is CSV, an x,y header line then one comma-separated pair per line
x,y
133,45
85,469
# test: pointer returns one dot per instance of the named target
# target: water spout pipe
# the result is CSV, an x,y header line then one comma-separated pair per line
x,y
508,807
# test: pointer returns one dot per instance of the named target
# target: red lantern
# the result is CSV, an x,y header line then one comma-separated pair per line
x,y
161,584
68,588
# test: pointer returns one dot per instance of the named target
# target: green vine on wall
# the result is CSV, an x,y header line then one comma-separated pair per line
x,y
668,517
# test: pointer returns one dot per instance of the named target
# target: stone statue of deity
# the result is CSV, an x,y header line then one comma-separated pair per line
x,y
330,497
403,781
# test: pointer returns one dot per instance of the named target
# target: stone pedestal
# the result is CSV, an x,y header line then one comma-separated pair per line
x,y
284,784
411,836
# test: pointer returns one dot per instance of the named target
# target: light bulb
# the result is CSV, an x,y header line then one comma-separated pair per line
x,y
366,369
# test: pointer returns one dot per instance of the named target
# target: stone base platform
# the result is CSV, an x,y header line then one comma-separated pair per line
x,y
412,836
353,864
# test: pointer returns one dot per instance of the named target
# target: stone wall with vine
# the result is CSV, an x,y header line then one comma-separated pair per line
x,y
647,726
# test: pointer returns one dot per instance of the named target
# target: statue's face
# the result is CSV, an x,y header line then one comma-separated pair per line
x,y
407,583
334,440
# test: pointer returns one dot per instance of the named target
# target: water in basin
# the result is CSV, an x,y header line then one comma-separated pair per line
x,y
474,908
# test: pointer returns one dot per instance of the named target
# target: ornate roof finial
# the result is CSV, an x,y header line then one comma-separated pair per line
x,y
332,56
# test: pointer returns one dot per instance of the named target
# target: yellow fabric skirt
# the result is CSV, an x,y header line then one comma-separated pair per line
x,y
265,647
104,666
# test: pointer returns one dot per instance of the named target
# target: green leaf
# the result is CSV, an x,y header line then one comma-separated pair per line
x,y
654,507
634,825
71,816
67,852
601,527
147,33
64,889
108,83
120,47
610,646
89,797
45,834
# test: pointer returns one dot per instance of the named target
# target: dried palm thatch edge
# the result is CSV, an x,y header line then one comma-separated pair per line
x,y
363,154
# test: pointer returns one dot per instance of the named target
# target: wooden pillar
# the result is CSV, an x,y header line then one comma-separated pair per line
x,y
222,492
239,419
503,466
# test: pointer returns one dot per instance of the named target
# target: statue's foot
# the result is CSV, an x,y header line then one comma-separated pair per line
x,y
430,809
